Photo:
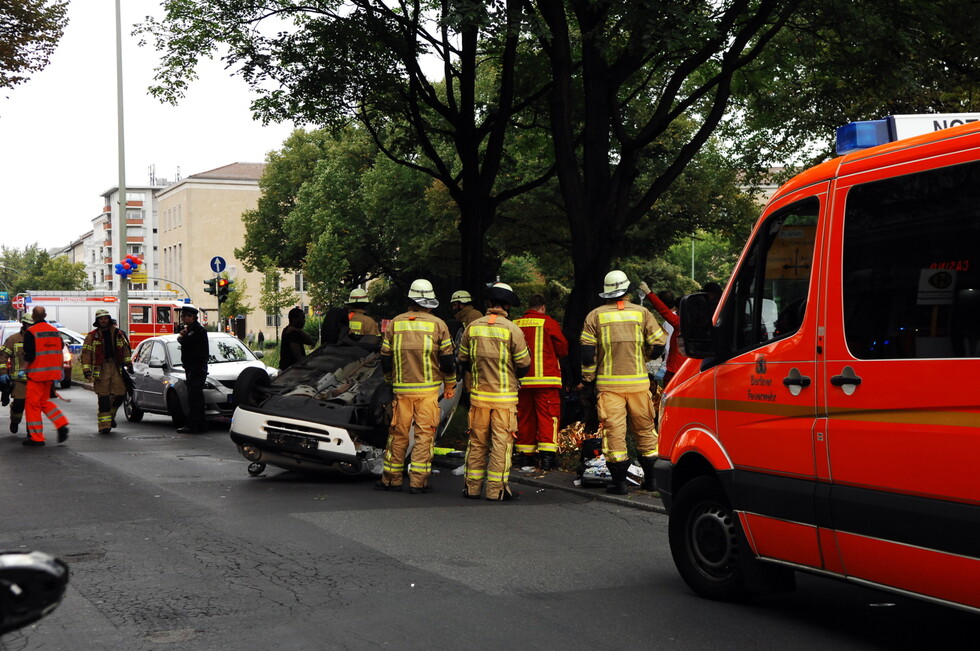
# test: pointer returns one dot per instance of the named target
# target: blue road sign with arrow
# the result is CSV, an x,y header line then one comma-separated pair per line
x,y
217,264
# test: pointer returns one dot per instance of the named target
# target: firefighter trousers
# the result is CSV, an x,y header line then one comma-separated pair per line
x,y
38,400
18,395
538,415
613,411
491,435
110,389
424,412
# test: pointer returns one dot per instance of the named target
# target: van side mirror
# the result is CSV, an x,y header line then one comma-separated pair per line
x,y
696,311
155,362
258,354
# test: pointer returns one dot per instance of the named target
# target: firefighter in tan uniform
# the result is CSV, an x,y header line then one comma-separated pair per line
x,y
496,353
104,355
613,340
13,364
417,359
358,321
463,310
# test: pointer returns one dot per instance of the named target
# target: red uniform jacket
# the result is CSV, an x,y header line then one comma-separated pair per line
x,y
674,357
547,345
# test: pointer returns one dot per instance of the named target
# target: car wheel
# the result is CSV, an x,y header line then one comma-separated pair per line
x,y
248,386
133,413
176,410
705,541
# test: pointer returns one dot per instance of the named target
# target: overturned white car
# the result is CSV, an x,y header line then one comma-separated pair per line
x,y
331,409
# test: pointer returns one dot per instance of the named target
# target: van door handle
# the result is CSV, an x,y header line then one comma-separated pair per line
x,y
846,377
847,380
794,379
796,382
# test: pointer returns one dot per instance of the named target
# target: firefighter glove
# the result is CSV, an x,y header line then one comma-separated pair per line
x,y
644,287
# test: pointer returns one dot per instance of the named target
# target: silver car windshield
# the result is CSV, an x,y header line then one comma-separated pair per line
x,y
220,350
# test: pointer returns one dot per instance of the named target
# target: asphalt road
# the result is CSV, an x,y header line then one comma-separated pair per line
x,y
172,545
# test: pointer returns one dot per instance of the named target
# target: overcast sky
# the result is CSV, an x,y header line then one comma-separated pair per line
x,y
58,131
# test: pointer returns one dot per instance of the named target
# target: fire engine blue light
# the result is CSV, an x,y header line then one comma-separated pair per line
x,y
861,135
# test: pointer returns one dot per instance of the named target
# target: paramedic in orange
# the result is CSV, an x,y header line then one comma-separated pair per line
x,y
494,351
45,363
613,340
539,399
358,321
417,359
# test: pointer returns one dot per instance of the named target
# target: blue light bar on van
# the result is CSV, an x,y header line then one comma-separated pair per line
x,y
861,135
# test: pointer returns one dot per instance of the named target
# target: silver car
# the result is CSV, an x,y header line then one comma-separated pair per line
x,y
159,382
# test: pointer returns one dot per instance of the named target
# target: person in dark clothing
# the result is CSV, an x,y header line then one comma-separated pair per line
x,y
294,338
194,354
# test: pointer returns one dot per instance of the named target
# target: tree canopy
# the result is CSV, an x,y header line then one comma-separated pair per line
x,y
588,127
29,32
33,268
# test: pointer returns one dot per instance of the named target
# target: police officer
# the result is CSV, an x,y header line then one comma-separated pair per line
x,y
358,321
417,359
613,340
194,354
104,354
496,353
463,310
45,363
15,368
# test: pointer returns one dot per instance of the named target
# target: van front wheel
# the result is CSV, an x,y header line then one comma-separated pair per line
x,y
705,541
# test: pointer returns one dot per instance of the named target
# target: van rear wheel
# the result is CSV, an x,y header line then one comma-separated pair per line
x,y
705,541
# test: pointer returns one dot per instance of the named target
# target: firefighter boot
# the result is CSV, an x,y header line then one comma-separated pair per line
x,y
617,471
546,460
647,464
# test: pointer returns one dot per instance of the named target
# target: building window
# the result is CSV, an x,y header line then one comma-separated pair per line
x,y
299,281
273,319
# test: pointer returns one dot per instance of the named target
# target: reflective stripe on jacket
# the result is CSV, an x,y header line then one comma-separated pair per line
x,y
49,362
618,333
547,344
93,351
12,357
494,346
415,340
359,323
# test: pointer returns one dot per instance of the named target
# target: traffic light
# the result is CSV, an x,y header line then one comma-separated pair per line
x,y
210,286
224,286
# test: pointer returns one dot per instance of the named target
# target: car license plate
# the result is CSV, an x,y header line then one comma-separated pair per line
x,y
297,441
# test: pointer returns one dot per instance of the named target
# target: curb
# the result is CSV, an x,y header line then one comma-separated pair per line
x,y
555,482
621,500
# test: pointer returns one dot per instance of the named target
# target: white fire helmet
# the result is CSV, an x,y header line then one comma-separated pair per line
x,y
422,293
358,295
461,296
615,284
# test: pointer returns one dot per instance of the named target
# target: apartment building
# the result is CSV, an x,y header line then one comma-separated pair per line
x,y
200,218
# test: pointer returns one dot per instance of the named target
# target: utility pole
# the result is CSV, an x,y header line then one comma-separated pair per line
x,y
122,235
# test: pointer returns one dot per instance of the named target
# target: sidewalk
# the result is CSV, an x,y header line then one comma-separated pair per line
x,y
564,481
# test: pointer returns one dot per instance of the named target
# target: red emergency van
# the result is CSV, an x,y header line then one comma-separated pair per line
x,y
830,422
